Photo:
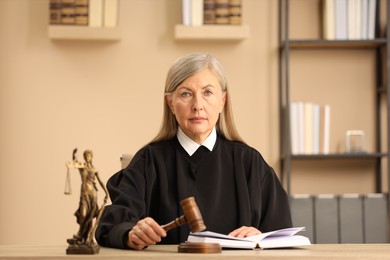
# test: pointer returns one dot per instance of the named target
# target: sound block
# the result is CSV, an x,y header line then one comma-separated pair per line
x,y
204,248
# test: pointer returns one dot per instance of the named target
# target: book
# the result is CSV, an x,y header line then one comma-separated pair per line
x,y
308,128
281,238
55,11
222,11
354,19
186,12
301,128
316,128
234,11
294,132
209,12
375,218
364,19
341,20
95,18
68,12
325,129
371,19
351,218
197,12
110,13
326,219
301,206
81,12
328,9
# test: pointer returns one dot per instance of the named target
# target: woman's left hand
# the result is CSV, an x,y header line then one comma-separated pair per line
x,y
244,231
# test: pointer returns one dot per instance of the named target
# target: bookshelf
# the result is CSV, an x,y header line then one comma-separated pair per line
x,y
212,32
211,21
84,20
71,32
378,157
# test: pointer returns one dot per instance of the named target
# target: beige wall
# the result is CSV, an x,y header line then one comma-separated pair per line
x,y
107,96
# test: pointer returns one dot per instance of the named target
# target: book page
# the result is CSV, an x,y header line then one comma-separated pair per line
x,y
255,238
287,232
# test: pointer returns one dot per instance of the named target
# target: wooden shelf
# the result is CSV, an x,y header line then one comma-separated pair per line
x,y
73,32
296,44
212,32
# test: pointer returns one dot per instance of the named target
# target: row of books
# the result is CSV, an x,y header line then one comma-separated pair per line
x,y
345,218
94,13
200,12
310,126
349,19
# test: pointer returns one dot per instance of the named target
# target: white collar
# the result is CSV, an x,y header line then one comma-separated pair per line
x,y
191,146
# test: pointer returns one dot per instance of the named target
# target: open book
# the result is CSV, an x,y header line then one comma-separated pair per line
x,y
275,239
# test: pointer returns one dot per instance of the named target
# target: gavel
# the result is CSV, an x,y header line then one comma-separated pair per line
x,y
191,216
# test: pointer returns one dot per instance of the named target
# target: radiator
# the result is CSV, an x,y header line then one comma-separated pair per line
x,y
347,218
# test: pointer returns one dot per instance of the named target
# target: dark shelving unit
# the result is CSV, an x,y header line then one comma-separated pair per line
x,y
286,45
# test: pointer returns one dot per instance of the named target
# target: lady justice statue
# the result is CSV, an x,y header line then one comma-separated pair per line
x,y
83,242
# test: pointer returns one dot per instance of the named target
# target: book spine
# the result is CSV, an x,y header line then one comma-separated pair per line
x,y
316,129
111,10
301,128
95,18
351,218
209,12
326,224
68,12
341,21
222,11
308,128
81,16
375,218
371,19
234,11
326,130
302,213
186,12
294,126
197,12
55,11
364,19
328,15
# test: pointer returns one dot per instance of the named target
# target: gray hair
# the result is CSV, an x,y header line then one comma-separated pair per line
x,y
184,68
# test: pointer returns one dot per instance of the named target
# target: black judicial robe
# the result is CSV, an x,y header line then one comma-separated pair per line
x,y
232,185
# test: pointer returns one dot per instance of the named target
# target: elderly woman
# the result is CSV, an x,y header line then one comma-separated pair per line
x,y
198,152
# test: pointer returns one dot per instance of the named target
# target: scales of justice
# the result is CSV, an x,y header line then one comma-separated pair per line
x,y
83,242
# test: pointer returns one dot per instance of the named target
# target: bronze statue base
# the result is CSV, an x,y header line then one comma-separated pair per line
x,y
205,248
81,249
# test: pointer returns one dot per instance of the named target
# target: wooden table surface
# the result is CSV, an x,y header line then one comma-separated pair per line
x,y
165,252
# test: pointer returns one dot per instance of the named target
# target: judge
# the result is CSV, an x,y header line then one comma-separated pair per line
x,y
197,152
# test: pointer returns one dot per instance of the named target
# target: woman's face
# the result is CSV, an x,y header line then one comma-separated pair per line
x,y
196,104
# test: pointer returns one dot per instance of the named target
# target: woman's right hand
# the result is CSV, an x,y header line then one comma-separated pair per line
x,y
146,232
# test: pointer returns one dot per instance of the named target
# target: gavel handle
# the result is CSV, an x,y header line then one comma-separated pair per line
x,y
175,223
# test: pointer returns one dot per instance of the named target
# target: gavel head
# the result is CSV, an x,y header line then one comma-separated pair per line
x,y
192,214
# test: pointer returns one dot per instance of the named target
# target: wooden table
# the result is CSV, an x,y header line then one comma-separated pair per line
x,y
167,252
